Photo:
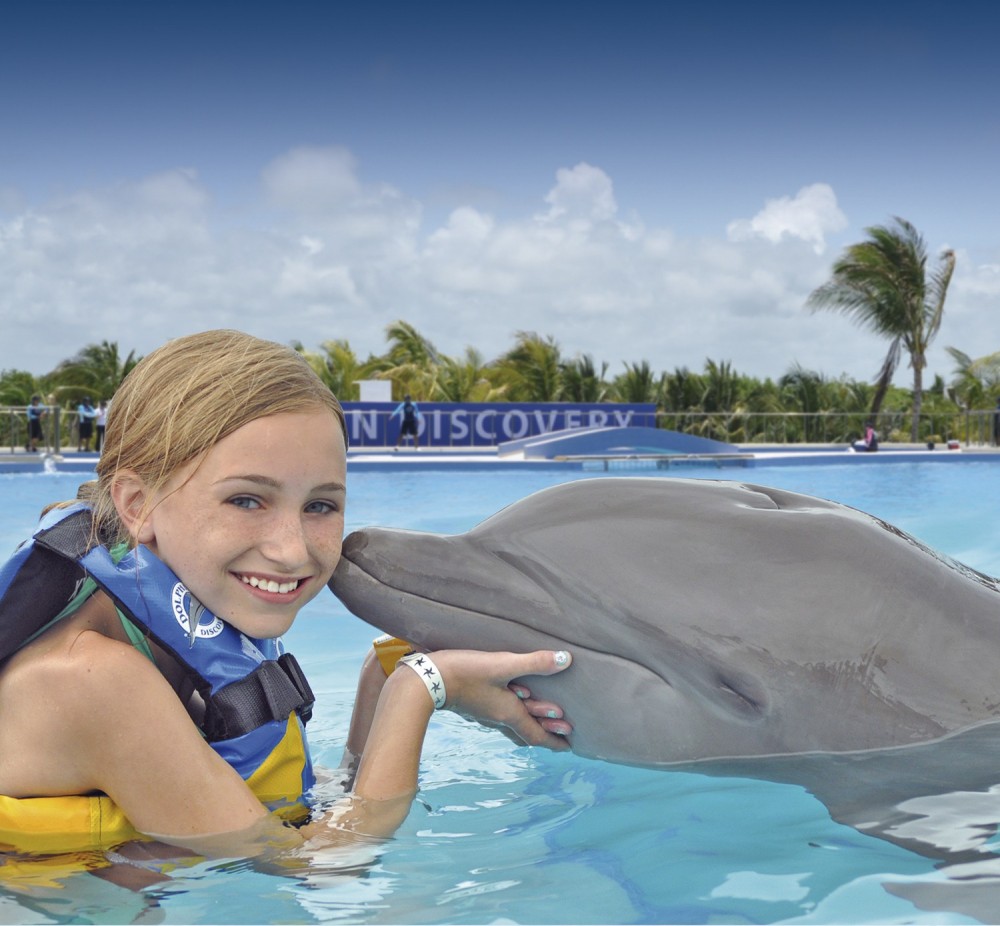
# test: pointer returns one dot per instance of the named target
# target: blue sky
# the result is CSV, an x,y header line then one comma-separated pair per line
x,y
641,181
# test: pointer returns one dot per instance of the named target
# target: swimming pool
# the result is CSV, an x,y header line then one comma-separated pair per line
x,y
500,834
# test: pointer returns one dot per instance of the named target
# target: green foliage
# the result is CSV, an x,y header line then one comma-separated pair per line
x,y
637,384
18,386
338,367
531,370
718,402
582,382
976,383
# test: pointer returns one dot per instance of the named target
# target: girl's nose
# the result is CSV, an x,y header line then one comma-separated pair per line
x,y
285,542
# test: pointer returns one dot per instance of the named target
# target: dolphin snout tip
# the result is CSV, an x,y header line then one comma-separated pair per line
x,y
355,542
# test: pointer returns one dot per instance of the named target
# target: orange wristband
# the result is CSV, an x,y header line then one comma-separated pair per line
x,y
390,650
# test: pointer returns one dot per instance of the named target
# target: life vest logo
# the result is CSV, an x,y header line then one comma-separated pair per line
x,y
181,601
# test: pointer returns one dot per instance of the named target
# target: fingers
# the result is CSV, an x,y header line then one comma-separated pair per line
x,y
544,662
545,724
557,727
540,709
541,732
480,686
519,665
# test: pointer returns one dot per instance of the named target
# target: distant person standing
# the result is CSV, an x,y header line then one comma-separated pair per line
x,y
411,418
36,412
996,425
100,422
85,415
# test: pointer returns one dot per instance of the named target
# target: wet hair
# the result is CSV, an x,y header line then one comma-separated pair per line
x,y
186,396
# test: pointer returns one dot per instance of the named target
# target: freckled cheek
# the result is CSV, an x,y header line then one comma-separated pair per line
x,y
326,549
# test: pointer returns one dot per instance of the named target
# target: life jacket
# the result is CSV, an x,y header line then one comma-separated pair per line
x,y
256,698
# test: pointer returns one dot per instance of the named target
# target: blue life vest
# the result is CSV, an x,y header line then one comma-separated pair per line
x,y
257,699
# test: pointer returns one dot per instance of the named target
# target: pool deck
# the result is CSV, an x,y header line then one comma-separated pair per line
x,y
749,455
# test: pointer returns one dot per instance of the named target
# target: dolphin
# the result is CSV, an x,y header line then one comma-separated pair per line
x,y
729,629
706,619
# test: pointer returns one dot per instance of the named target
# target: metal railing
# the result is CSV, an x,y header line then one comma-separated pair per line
x,y
979,428
57,425
974,428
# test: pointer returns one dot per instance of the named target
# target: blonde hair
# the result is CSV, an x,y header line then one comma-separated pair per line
x,y
185,397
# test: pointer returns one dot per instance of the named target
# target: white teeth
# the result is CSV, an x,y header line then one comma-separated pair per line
x,y
269,585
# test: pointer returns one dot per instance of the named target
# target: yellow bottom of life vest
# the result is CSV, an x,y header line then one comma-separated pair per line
x,y
77,822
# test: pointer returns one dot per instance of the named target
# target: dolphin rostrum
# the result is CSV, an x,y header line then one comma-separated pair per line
x,y
707,620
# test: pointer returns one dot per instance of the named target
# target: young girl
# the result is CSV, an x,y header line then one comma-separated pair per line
x,y
143,685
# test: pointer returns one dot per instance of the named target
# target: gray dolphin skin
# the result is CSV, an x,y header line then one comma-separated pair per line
x,y
707,620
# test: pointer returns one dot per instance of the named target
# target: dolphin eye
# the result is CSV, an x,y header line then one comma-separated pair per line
x,y
741,697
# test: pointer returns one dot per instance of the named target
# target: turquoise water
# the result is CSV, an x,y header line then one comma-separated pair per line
x,y
507,835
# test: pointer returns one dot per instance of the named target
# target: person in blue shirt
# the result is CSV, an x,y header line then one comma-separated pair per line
x,y
36,412
411,418
86,413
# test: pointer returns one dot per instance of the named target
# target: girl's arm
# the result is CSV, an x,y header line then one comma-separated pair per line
x,y
522,725
389,736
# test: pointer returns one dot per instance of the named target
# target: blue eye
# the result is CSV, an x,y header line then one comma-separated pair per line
x,y
321,507
244,501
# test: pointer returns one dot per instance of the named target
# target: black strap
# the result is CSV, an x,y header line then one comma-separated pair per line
x,y
71,537
41,588
44,583
271,692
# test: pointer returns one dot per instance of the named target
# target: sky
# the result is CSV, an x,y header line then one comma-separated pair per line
x,y
639,181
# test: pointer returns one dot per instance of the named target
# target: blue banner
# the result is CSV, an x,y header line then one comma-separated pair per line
x,y
486,424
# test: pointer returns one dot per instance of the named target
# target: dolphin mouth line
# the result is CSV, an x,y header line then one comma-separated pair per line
x,y
574,647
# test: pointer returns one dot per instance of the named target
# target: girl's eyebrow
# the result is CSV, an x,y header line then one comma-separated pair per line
x,y
275,484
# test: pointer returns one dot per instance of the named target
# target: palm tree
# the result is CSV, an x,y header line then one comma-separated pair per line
x,y
638,384
465,380
97,370
18,386
976,382
410,363
803,390
531,369
884,285
338,367
582,382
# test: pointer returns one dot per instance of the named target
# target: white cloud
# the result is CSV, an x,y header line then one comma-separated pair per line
x,y
311,179
143,261
809,215
581,194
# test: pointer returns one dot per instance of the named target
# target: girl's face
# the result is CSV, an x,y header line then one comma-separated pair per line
x,y
254,528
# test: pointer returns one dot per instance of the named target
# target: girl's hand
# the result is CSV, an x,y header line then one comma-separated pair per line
x,y
479,686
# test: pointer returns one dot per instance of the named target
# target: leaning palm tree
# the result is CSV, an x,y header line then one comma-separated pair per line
x,y
98,370
409,346
883,283
410,363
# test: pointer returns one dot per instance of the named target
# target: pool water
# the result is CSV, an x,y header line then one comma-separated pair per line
x,y
501,834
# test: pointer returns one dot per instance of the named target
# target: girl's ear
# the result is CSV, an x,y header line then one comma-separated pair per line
x,y
131,498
